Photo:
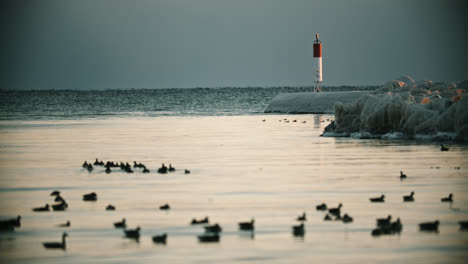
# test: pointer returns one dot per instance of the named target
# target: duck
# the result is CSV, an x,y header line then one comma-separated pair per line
x,y
216,228
321,207
164,207
60,207
90,167
110,207
380,199
409,198
90,197
447,199
160,238
55,193
429,226
171,169
327,217
335,211
163,169
208,237
187,171
302,217
121,224
67,224
396,226
145,170
347,219
201,221
384,221
402,175
56,245
247,225
42,209
463,225
298,230
10,224
108,170
443,148
132,233
85,164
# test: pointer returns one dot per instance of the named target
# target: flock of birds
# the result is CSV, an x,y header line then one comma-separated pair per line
x,y
384,226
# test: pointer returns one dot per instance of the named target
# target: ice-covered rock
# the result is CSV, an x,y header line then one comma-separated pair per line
x,y
408,109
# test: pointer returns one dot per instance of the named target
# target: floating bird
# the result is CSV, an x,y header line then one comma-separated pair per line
x,y
321,207
42,209
384,221
56,245
187,171
67,224
108,170
90,197
110,207
85,164
132,233
208,237
396,226
447,199
60,207
145,170
409,198
54,193
161,239
90,167
298,230
302,217
378,199
402,176
120,224
10,224
429,226
171,169
443,148
164,207
201,221
388,229
247,225
335,211
327,217
163,169
347,219
213,228
463,225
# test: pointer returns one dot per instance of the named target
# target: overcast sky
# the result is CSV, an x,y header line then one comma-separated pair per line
x,y
90,44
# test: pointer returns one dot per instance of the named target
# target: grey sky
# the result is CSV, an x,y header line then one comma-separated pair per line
x,y
211,43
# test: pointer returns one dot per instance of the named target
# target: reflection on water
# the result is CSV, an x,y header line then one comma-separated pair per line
x,y
241,168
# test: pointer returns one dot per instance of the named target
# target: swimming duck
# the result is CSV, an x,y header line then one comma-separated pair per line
x,y
201,221
429,226
298,230
90,167
67,224
160,238
213,228
302,217
327,217
10,224
145,170
171,169
247,225
463,225
384,221
132,233
42,209
443,148
60,207
409,198
208,237
85,164
347,219
402,176
110,207
187,171
335,211
321,207
90,197
163,169
447,199
378,199
120,224
56,245
165,207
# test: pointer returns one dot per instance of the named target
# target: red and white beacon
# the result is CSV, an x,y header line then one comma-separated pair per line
x,y
317,63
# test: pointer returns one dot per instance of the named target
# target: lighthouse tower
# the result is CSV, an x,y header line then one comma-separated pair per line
x,y
317,63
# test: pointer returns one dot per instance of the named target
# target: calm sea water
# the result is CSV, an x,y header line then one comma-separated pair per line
x,y
241,168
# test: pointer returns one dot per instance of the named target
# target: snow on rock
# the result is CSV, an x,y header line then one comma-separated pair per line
x,y
301,103
403,108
